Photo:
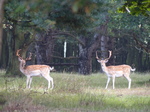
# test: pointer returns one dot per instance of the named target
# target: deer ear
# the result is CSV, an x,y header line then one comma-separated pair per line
x,y
98,60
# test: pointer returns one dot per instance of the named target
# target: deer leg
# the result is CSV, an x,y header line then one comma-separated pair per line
x,y
129,82
49,79
30,81
108,80
27,82
113,80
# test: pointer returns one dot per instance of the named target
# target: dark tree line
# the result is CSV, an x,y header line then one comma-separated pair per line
x,y
80,28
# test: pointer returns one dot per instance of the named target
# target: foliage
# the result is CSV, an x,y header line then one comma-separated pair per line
x,y
79,19
136,7
28,13
132,28
74,92
66,14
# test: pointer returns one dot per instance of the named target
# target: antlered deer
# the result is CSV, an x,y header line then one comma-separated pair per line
x,y
34,70
115,71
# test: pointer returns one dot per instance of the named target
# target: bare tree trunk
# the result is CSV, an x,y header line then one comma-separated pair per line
x,y
39,49
85,66
1,24
85,55
44,48
103,47
12,68
50,46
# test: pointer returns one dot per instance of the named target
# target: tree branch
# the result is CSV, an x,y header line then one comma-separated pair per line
x,y
141,44
75,37
70,57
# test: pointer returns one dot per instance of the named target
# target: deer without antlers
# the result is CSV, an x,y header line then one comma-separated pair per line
x,y
34,70
115,71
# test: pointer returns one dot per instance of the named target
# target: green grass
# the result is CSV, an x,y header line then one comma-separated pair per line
x,y
75,93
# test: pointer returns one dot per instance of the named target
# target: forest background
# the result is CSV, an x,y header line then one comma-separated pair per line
x,y
67,33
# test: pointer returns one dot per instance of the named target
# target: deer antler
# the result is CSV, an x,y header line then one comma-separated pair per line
x,y
29,58
96,55
110,53
17,53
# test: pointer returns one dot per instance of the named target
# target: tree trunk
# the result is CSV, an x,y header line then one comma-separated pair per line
x,y
50,46
104,47
12,69
86,53
1,24
44,46
14,42
85,65
5,53
40,49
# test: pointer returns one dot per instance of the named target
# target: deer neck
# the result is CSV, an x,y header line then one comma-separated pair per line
x,y
104,67
22,67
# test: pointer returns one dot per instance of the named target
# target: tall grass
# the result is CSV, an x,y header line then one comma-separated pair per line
x,y
75,93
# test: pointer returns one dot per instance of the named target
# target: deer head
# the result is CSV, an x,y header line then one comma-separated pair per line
x,y
23,61
103,60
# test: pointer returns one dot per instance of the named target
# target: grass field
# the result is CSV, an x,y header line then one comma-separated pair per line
x,y
75,93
